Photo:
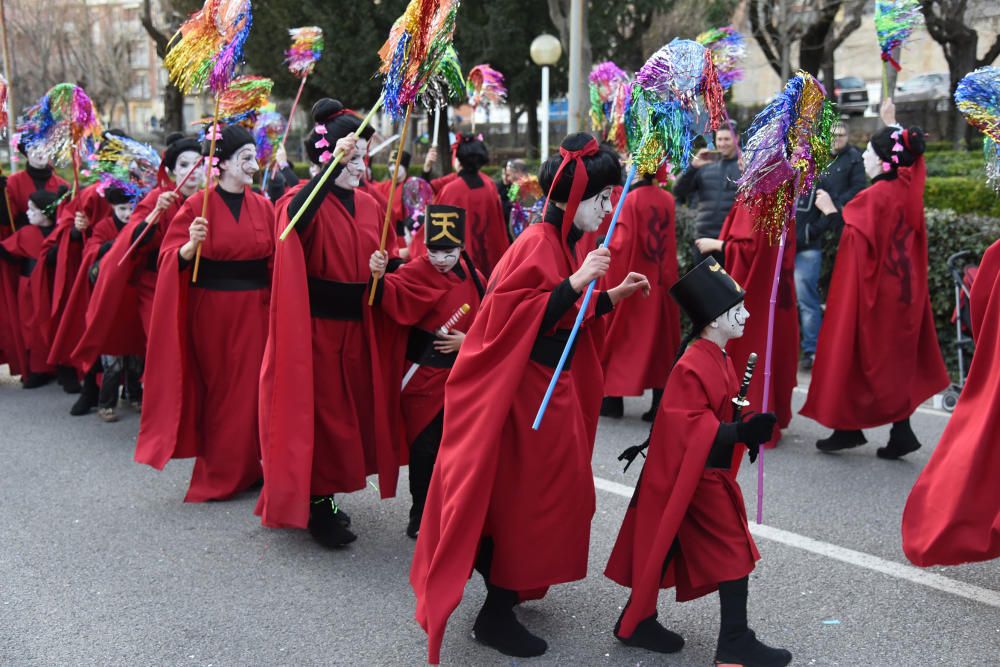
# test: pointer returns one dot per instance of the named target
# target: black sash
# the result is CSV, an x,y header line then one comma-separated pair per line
x,y
27,266
420,350
547,349
333,300
238,275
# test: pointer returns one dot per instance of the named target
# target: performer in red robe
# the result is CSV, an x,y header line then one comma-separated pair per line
x,y
121,305
397,220
953,513
486,229
514,502
646,332
750,259
38,175
878,357
207,338
26,308
423,296
437,184
686,526
329,392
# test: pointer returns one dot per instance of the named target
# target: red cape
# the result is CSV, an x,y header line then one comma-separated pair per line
x,y
878,357
953,513
418,295
643,333
20,186
120,305
485,229
177,408
485,481
337,247
750,260
73,323
24,308
437,184
677,498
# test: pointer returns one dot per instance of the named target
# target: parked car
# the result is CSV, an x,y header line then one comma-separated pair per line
x,y
851,95
924,87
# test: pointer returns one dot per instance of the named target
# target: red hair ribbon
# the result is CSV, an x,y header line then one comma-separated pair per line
x,y
887,57
579,186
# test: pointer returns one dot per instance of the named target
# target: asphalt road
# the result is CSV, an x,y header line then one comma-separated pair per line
x,y
102,564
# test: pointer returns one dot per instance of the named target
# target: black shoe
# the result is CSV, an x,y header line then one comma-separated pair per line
x,y
326,524
652,636
66,377
654,407
748,651
500,629
613,406
86,402
36,380
839,440
413,527
902,441
807,362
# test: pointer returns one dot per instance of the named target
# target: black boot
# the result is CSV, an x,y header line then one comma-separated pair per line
x,y
88,396
902,441
613,406
650,635
650,415
327,523
66,377
35,380
738,644
497,626
839,440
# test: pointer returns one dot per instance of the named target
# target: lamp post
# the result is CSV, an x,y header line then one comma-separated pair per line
x,y
545,51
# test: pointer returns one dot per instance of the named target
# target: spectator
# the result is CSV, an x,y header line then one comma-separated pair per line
x,y
711,179
842,180
512,172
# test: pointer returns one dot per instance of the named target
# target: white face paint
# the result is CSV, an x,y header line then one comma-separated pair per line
x,y
872,162
590,214
401,174
732,322
124,211
36,216
36,159
186,161
354,167
444,260
239,170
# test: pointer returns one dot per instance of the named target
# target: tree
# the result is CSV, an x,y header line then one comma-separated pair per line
x,y
946,22
170,15
835,21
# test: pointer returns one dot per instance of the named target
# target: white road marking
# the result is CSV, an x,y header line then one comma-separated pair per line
x,y
851,557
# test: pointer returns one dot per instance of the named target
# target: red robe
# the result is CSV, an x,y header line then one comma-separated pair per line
x,y
679,500
643,333
20,186
953,513
73,324
438,184
327,390
750,260
398,210
121,304
205,349
485,229
419,296
878,357
532,492
26,308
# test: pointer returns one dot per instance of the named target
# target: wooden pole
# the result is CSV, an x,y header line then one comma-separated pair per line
x,y
209,163
392,192
10,95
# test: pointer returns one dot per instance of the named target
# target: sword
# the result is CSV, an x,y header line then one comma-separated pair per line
x,y
740,400
443,329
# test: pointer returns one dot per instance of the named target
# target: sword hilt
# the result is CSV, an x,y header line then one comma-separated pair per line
x,y
740,400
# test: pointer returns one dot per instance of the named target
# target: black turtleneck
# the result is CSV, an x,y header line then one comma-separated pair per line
x,y
40,177
564,296
344,195
233,201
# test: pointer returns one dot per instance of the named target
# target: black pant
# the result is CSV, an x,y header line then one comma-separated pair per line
x,y
423,454
120,371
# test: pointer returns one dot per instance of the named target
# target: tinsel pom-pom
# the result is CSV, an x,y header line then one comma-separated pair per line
x,y
895,21
267,134
977,96
208,47
305,51
728,48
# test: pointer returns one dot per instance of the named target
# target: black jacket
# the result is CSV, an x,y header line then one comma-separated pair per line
x,y
714,188
843,179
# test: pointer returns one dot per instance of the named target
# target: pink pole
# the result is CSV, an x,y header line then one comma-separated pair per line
x,y
767,369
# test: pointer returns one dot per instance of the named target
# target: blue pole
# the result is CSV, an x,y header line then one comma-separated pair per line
x,y
583,307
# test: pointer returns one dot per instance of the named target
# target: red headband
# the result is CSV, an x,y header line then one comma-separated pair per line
x,y
579,186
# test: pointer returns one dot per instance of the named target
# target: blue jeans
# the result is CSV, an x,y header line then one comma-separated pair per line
x,y
807,267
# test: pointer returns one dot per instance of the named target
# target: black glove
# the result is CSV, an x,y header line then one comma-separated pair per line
x,y
755,431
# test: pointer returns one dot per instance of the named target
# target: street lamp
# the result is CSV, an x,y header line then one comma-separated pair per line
x,y
545,51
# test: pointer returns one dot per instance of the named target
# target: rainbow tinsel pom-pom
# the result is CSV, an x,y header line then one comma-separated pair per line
x,y
978,98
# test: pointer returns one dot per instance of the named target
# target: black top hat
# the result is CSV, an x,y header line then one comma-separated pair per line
x,y
705,292
444,227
